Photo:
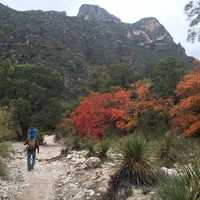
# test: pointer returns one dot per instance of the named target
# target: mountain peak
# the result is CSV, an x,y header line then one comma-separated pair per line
x,y
96,13
3,7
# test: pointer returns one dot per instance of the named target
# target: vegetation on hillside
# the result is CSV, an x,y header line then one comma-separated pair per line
x,y
32,94
186,113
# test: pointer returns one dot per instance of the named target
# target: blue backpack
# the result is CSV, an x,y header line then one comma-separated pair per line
x,y
32,133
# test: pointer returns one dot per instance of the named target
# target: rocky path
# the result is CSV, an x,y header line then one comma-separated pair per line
x,y
72,177
39,182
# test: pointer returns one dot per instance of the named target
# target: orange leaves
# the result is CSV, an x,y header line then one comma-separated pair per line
x,y
118,109
142,89
187,112
190,83
145,100
195,127
93,115
97,112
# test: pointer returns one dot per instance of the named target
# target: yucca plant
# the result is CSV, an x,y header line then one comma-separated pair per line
x,y
103,147
90,146
184,186
167,151
135,167
173,188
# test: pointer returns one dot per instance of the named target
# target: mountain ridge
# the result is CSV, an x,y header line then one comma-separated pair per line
x,y
73,43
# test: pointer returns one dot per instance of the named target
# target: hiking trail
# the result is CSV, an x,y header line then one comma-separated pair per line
x,y
39,183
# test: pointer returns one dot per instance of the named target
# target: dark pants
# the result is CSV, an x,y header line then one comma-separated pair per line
x,y
31,156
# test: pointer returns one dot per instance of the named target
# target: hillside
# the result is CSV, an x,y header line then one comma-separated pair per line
x,y
94,37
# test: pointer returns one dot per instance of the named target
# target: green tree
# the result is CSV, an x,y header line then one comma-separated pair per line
x,y
165,76
192,10
33,94
102,78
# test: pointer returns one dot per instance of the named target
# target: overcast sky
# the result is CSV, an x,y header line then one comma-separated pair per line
x,y
170,13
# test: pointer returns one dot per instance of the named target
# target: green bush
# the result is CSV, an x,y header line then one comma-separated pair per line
x,y
41,137
184,186
66,129
6,133
153,124
73,142
3,169
103,147
168,150
89,145
5,149
135,167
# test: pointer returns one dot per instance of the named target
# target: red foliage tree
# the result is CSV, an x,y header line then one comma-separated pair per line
x,y
186,114
120,109
97,112
143,100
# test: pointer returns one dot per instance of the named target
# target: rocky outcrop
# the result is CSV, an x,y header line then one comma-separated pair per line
x,y
96,13
93,162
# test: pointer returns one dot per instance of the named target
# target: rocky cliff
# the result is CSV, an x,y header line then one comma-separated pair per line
x,y
96,13
95,36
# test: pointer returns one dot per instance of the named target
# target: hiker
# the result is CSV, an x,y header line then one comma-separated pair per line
x,y
32,145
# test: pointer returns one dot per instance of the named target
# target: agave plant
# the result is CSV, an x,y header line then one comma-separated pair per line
x,y
135,167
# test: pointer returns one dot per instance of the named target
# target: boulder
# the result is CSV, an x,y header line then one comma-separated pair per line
x,y
93,162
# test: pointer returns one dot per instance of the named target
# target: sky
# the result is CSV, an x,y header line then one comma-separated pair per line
x,y
170,13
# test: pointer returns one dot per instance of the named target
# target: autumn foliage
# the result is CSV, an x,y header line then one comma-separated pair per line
x,y
186,113
119,109
97,112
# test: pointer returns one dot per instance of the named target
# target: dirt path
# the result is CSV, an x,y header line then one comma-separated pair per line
x,y
39,182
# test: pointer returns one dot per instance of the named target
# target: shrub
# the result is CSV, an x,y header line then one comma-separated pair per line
x,y
153,124
73,142
41,137
65,128
135,167
6,133
3,169
5,149
186,113
184,186
89,145
168,150
103,147
102,111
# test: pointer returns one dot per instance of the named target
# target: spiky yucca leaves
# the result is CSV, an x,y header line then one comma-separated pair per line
x,y
173,188
184,186
89,145
167,150
102,148
135,167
